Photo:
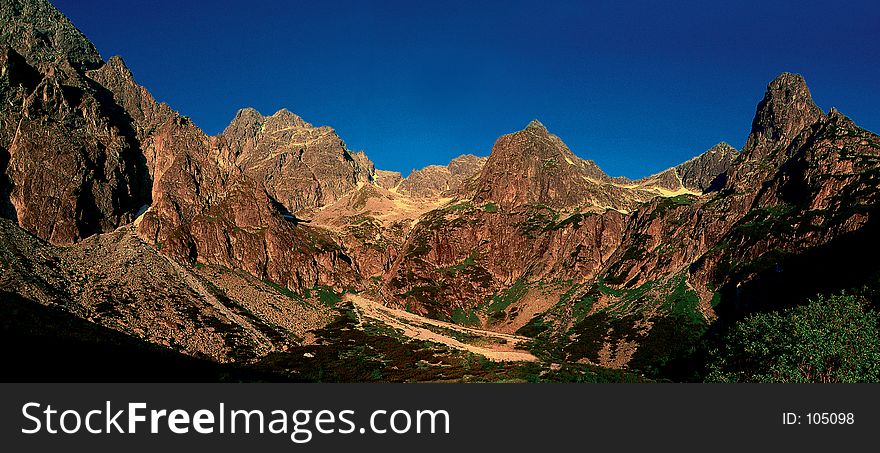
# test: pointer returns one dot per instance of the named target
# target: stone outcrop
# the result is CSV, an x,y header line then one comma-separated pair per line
x,y
443,180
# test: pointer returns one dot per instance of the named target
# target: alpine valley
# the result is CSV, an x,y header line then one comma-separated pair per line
x,y
135,247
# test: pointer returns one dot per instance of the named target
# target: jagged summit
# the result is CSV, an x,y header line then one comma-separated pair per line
x,y
287,117
702,172
88,159
301,166
789,80
437,180
280,120
117,63
248,112
722,147
786,109
535,166
284,120
247,122
537,126
40,33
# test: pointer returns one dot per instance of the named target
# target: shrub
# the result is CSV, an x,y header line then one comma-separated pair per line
x,y
832,339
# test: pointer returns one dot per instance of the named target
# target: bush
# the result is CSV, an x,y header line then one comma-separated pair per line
x,y
832,339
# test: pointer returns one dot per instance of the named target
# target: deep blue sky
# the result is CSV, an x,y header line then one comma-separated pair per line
x,y
636,86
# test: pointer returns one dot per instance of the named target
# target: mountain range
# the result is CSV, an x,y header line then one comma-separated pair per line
x,y
273,252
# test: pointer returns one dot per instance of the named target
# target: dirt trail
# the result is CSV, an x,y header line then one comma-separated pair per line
x,y
495,346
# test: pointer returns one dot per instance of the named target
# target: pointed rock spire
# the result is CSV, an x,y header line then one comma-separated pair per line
x,y
283,120
536,126
787,108
247,121
534,166
702,172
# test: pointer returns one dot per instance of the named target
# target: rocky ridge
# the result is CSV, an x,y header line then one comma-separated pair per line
x,y
442,180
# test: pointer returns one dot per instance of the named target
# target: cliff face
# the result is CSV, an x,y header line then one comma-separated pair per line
x,y
68,151
387,179
210,207
535,213
460,255
810,223
82,133
119,283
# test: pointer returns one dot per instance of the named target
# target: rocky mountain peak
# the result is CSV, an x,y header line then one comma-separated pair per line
x,y
40,33
249,121
284,120
300,166
248,114
246,125
537,126
535,166
89,160
117,64
532,142
702,172
438,180
722,148
787,108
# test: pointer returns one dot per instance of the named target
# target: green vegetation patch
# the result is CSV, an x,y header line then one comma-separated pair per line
x,y
537,218
284,291
666,204
347,352
589,335
328,296
536,326
426,294
627,300
471,260
418,247
830,339
582,307
465,317
760,222
459,206
501,301
574,220
683,301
